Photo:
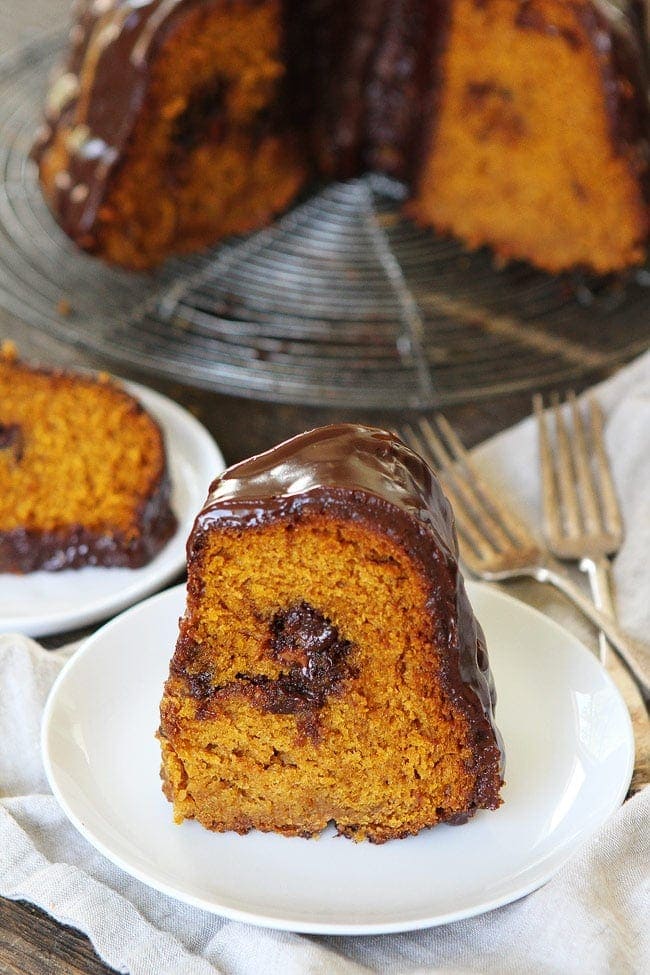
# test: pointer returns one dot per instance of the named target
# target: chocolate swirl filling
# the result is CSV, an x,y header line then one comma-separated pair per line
x,y
315,656
11,438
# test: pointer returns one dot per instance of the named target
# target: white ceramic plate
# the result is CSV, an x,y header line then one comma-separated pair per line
x,y
569,761
43,603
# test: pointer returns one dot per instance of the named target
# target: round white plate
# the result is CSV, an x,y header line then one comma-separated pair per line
x,y
569,755
43,603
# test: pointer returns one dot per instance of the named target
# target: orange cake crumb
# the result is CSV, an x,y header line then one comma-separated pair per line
x,y
520,159
83,475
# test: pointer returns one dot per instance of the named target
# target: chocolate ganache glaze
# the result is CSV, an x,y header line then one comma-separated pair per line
x,y
24,550
368,476
98,96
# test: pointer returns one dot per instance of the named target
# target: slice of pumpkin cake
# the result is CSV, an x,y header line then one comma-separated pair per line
x,y
329,667
84,478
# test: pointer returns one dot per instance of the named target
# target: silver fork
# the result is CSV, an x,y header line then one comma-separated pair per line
x,y
583,524
495,545
582,518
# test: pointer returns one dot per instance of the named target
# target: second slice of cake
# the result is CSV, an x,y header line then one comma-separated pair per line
x,y
84,478
329,666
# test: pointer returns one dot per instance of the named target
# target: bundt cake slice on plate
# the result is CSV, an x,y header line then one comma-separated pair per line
x,y
83,472
328,666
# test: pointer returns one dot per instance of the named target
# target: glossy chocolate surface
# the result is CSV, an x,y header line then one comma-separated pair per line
x,y
98,96
619,32
368,476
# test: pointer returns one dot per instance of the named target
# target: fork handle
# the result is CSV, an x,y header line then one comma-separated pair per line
x,y
631,651
599,573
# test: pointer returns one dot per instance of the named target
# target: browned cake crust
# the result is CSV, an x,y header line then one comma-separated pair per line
x,y
83,474
329,666
520,124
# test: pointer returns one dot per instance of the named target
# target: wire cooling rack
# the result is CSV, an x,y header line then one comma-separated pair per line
x,y
341,302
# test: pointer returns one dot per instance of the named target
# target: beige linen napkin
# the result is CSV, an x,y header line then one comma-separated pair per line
x,y
591,917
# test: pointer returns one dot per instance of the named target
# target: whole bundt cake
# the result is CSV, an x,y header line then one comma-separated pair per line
x,y
83,472
520,124
329,667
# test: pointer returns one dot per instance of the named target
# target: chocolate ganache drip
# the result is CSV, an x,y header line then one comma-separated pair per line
x,y
369,476
98,95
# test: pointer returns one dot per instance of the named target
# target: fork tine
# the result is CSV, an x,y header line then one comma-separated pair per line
x,y
566,484
514,527
550,499
435,444
464,516
586,485
486,523
611,509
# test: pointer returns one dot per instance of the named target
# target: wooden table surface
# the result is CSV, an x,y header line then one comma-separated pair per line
x,y
30,941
